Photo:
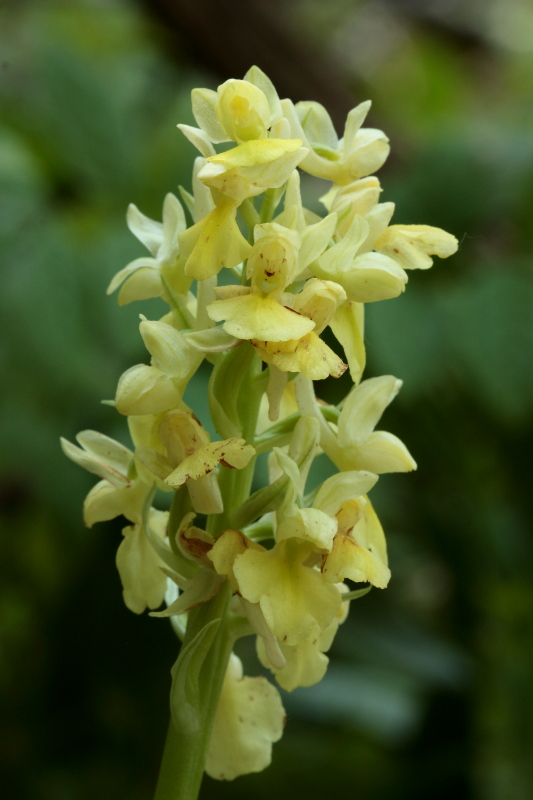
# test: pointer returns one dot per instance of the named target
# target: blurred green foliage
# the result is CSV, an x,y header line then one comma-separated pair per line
x,y
429,690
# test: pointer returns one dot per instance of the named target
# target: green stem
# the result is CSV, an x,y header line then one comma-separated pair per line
x,y
183,763
185,753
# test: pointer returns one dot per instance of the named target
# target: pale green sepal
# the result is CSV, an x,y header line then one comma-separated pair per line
x,y
145,262
211,340
356,594
354,120
341,487
170,350
315,239
204,103
303,447
249,718
383,452
347,325
363,408
270,643
96,465
105,501
277,381
185,690
203,587
317,124
103,448
154,466
146,230
256,76
373,277
145,390
338,259
378,218
144,284
199,139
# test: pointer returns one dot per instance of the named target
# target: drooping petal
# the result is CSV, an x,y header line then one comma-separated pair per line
x,y
253,316
413,245
309,355
305,663
214,242
139,565
249,718
350,560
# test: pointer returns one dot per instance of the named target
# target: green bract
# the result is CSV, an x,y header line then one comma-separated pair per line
x,y
269,563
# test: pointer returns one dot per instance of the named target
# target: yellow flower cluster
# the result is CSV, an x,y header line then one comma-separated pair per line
x,y
284,552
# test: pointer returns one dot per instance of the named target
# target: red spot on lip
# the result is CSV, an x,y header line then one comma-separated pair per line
x,y
225,464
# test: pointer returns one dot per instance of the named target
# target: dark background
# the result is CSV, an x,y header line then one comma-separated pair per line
x,y
429,691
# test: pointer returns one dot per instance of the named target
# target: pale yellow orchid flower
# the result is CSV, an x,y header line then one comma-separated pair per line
x,y
141,279
360,152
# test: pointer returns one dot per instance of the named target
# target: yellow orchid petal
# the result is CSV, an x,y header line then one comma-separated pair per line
x,y
305,664
309,355
249,718
233,453
227,547
368,532
412,245
308,524
106,501
293,597
319,300
347,325
139,566
381,452
214,242
259,151
143,284
350,560
252,167
373,277
255,317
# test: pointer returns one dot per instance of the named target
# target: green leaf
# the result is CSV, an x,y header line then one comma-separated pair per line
x,y
225,389
185,690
